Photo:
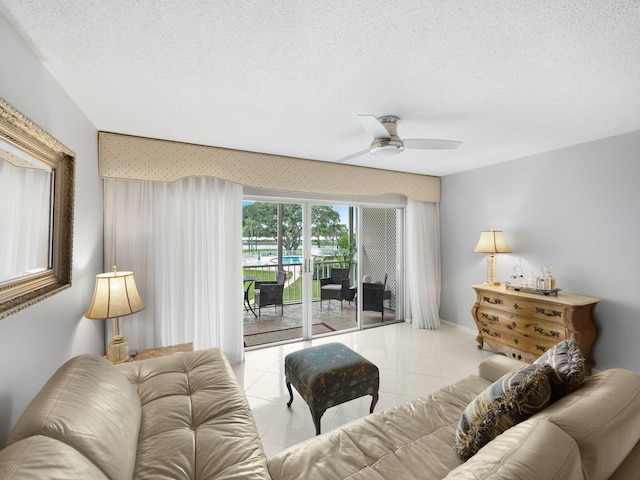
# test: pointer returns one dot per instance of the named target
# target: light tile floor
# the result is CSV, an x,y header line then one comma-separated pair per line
x,y
412,364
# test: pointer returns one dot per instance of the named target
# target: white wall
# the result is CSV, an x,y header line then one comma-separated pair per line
x,y
36,341
575,209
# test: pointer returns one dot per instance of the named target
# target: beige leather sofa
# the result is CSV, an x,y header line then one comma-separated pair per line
x,y
182,416
592,433
185,416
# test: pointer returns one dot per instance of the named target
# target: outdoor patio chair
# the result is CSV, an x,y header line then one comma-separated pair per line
x,y
374,295
270,293
335,287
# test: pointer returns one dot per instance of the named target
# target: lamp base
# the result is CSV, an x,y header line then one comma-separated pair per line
x,y
118,352
492,264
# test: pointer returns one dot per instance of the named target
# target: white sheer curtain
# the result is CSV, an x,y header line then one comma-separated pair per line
x,y
25,196
183,242
422,301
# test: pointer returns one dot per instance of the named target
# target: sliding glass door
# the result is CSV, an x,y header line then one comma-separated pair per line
x,y
380,265
311,250
333,252
308,271
273,272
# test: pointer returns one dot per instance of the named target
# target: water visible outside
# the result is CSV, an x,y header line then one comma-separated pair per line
x,y
288,260
270,256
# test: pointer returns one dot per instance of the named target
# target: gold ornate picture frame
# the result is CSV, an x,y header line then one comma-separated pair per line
x,y
21,135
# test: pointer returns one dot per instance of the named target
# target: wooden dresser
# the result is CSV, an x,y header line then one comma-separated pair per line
x,y
525,325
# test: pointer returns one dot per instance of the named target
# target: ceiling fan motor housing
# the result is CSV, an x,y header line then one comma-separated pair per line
x,y
385,147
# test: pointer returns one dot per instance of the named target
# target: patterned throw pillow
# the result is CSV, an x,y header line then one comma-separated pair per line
x,y
510,400
567,362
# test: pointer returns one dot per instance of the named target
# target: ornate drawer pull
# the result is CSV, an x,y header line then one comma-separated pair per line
x,y
516,306
497,301
490,333
493,318
541,348
551,333
553,313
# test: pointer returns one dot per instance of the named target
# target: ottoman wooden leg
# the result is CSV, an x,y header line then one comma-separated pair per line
x,y
374,400
290,394
316,419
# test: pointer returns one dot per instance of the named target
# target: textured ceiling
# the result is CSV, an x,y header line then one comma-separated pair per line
x,y
289,77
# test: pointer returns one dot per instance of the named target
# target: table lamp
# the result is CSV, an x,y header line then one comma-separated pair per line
x,y
492,242
115,296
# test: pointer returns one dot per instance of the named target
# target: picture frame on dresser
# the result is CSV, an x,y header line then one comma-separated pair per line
x,y
525,325
36,212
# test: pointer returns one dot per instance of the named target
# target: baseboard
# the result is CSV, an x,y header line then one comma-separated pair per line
x,y
471,331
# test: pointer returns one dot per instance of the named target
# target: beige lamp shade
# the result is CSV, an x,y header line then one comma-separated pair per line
x,y
115,295
492,241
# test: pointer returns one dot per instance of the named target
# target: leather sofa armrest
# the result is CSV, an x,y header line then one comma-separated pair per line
x,y
630,465
532,450
495,366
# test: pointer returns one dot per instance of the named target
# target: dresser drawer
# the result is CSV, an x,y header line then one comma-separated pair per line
x,y
540,309
530,326
514,344
524,325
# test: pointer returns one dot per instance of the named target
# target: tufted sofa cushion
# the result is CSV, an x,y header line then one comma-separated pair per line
x,y
84,420
196,422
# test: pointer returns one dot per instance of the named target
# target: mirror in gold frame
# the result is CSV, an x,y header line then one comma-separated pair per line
x,y
36,212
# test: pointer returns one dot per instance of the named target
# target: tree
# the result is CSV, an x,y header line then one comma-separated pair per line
x,y
265,214
291,226
325,222
262,219
347,250
250,230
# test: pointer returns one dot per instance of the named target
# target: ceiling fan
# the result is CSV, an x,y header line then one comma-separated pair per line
x,y
386,141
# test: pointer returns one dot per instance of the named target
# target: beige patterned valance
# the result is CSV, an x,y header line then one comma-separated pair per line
x,y
136,158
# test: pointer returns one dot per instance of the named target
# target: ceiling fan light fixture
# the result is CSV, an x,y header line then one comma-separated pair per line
x,y
386,147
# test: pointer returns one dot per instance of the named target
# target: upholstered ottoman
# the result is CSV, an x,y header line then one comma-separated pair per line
x,y
328,375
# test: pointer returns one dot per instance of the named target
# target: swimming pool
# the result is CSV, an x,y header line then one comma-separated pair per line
x,y
288,259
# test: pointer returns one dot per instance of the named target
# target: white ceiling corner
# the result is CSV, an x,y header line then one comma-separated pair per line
x,y
508,79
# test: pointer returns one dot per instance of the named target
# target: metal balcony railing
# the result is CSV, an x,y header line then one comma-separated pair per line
x,y
293,283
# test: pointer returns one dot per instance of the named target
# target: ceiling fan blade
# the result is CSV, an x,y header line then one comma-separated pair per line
x,y
358,154
428,144
373,126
